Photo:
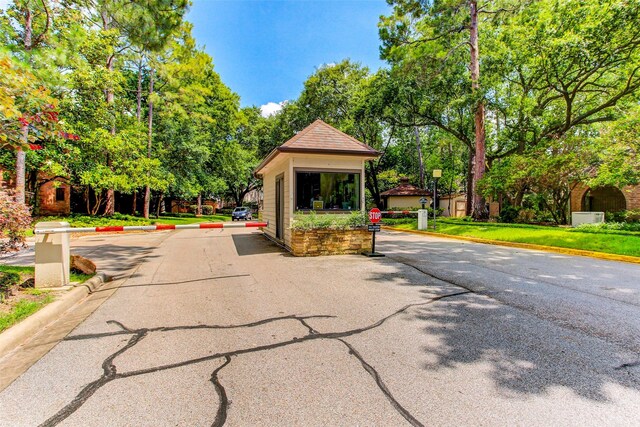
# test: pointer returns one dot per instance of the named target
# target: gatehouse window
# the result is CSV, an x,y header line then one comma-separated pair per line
x,y
327,191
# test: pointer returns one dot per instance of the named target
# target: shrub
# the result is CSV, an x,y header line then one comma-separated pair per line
x,y
509,214
525,216
623,216
312,221
207,210
7,281
15,219
609,226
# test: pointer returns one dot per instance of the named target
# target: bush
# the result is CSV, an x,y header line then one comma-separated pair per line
x,y
7,281
509,214
525,216
312,221
623,216
205,209
15,219
609,226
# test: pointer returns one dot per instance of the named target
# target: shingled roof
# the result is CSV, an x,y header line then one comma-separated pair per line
x,y
405,189
321,138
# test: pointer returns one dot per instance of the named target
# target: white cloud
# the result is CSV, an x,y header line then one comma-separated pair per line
x,y
271,108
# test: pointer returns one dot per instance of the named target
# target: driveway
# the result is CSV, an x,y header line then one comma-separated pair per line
x,y
223,327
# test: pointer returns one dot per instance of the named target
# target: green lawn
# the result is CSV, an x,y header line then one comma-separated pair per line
x,y
119,219
619,243
29,300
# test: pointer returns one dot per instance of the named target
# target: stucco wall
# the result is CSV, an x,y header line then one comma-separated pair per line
x,y
269,205
444,205
405,202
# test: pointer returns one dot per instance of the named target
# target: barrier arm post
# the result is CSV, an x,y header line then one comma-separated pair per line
x,y
52,256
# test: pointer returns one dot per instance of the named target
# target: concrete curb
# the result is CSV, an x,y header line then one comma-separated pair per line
x,y
566,251
23,331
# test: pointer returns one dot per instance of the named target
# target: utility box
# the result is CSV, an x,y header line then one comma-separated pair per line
x,y
578,218
52,256
423,219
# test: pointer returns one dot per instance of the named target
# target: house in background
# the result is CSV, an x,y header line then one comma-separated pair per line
x,y
405,196
320,169
53,194
453,205
605,199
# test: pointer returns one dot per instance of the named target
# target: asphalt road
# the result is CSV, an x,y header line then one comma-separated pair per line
x,y
222,327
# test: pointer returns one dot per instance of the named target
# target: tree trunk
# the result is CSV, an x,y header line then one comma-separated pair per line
x,y
134,203
20,172
374,188
416,132
199,209
139,93
479,203
20,154
109,208
159,207
469,203
147,190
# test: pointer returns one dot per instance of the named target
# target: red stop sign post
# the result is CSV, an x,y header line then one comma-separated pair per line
x,y
374,216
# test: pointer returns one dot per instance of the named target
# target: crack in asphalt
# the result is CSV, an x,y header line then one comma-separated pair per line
x,y
110,372
627,365
221,414
381,385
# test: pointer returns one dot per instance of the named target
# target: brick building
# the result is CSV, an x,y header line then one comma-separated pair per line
x,y
605,199
54,196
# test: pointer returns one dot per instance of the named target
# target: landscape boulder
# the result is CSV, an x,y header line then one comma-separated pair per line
x,y
82,265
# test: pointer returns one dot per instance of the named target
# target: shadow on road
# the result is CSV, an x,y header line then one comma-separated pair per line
x,y
204,280
115,260
527,355
255,244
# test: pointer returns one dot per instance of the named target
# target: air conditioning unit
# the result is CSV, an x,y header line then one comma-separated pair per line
x,y
578,218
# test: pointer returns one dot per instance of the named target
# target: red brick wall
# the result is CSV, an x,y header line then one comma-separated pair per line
x,y
631,194
47,204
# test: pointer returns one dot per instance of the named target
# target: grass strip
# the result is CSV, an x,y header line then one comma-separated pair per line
x,y
617,244
23,309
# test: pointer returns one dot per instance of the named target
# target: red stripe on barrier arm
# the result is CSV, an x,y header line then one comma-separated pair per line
x,y
256,224
110,228
405,212
211,225
165,227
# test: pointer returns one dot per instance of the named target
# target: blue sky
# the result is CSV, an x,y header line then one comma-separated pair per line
x,y
265,49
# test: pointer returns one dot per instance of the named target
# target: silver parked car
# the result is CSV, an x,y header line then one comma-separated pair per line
x,y
241,213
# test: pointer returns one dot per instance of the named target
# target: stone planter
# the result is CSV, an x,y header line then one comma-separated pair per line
x,y
330,242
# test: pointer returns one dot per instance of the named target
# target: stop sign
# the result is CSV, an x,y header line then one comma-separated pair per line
x,y
375,215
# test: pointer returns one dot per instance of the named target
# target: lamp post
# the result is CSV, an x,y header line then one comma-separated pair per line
x,y
437,173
